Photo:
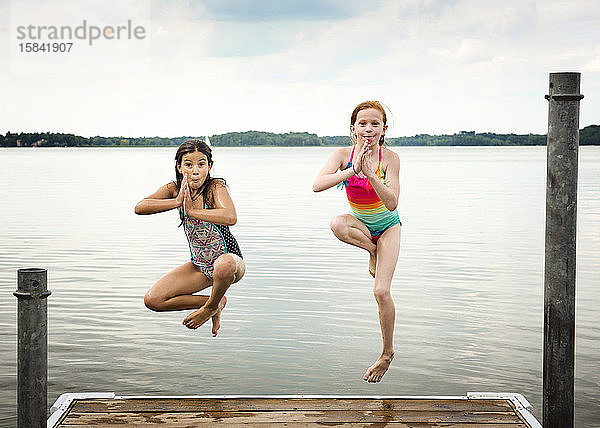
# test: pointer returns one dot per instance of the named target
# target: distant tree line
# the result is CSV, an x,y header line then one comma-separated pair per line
x,y
50,139
590,135
259,138
470,138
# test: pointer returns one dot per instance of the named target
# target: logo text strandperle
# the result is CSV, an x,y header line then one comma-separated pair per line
x,y
81,32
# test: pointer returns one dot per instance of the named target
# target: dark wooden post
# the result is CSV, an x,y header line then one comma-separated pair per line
x,y
559,269
32,348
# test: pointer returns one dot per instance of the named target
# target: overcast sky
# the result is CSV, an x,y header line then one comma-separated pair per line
x,y
214,66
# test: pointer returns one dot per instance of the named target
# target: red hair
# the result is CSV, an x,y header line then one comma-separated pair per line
x,y
366,105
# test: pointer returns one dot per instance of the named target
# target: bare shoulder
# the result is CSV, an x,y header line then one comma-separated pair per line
x,y
344,150
217,185
390,163
166,191
171,189
217,189
218,195
342,154
336,161
390,157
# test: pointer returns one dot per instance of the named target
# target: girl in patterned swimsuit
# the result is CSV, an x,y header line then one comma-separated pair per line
x,y
370,173
206,211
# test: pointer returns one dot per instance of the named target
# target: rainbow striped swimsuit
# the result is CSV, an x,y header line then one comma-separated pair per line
x,y
365,204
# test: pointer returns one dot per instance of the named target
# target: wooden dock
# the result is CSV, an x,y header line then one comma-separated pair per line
x,y
473,410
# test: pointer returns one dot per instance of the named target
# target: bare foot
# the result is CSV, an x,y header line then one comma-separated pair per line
x,y
375,373
199,317
372,263
216,318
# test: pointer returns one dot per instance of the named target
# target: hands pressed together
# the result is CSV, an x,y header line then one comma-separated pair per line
x,y
184,198
365,161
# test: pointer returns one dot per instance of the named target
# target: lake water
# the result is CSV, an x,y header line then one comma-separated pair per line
x,y
468,286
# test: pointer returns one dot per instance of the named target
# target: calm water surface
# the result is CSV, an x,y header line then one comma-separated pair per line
x,y
468,286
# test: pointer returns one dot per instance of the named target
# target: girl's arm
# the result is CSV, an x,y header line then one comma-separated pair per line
x,y
223,212
387,193
164,199
331,174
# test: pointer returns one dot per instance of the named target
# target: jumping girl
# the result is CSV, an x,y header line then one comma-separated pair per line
x,y
370,174
206,211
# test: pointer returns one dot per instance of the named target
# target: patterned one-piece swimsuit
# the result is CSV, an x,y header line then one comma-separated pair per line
x,y
207,242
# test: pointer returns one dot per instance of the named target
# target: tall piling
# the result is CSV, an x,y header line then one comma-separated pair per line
x,y
32,347
559,268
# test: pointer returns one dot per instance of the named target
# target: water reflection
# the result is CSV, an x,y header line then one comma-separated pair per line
x,y
468,286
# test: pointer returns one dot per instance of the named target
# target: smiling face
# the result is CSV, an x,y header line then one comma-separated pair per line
x,y
369,126
196,166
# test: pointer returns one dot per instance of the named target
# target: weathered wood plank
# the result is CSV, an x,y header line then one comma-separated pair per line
x,y
312,425
257,404
321,416
293,412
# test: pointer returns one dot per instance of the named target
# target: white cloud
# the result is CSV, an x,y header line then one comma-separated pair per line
x,y
593,66
440,66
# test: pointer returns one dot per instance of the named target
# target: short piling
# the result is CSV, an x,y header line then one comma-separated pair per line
x,y
559,269
32,347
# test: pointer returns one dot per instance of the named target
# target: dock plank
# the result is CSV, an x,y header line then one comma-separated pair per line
x,y
323,416
243,404
312,425
291,412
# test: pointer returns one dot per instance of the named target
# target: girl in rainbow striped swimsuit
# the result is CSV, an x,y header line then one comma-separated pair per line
x,y
370,173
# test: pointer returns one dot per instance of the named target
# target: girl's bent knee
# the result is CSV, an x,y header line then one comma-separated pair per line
x,y
338,225
152,302
224,268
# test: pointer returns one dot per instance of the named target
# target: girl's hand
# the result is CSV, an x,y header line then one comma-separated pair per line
x,y
357,161
187,198
180,195
369,165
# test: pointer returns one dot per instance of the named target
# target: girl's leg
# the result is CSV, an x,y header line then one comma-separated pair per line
x,y
388,248
352,231
228,269
174,291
